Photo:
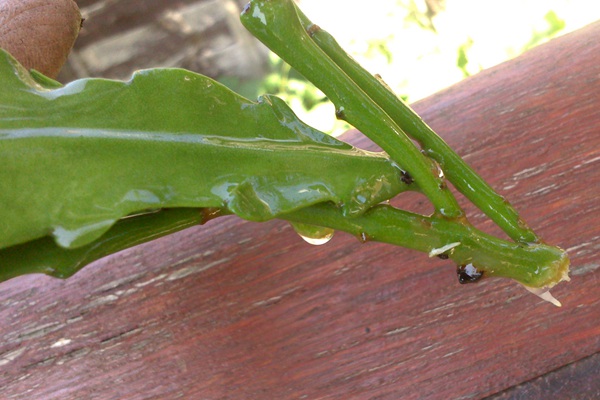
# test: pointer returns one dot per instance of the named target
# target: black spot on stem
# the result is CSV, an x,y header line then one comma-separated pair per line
x,y
468,273
406,178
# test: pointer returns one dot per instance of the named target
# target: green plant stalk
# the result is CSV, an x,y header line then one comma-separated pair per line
x,y
44,256
536,265
276,24
458,172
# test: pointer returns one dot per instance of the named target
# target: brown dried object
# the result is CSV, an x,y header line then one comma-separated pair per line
x,y
39,33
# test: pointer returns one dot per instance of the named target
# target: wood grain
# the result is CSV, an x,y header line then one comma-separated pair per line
x,y
578,380
249,311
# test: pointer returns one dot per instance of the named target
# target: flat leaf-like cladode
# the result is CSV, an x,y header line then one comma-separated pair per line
x,y
77,158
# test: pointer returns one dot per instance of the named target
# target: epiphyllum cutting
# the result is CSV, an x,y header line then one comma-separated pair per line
x,y
188,149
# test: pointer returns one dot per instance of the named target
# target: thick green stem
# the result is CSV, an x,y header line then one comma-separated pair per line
x,y
276,23
44,256
467,181
534,265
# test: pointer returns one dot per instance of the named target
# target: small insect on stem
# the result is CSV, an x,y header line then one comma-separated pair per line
x,y
406,178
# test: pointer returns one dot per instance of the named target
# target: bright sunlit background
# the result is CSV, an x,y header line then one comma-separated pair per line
x,y
422,46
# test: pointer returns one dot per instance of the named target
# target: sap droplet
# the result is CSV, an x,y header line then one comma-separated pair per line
x,y
312,234
544,294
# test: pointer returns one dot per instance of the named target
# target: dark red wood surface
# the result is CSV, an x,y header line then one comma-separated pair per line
x,y
238,310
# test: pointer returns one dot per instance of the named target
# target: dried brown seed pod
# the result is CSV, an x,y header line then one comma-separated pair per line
x,y
39,33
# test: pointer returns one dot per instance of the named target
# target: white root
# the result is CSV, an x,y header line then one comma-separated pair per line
x,y
443,249
544,292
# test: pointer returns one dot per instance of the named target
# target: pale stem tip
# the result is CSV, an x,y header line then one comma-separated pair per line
x,y
544,294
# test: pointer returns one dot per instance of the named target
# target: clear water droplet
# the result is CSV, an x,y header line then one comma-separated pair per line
x,y
312,234
317,241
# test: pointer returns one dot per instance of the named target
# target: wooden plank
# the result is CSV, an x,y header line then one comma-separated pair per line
x,y
578,380
242,310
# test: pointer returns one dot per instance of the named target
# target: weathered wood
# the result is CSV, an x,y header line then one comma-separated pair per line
x,y
574,381
245,311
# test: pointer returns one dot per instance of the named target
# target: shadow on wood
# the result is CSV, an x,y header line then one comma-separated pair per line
x,y
248,311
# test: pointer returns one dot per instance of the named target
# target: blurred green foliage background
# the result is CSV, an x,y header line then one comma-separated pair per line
x,y
420,46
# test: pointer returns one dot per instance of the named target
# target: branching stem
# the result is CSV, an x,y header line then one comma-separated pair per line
x,y
277,25
462,176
